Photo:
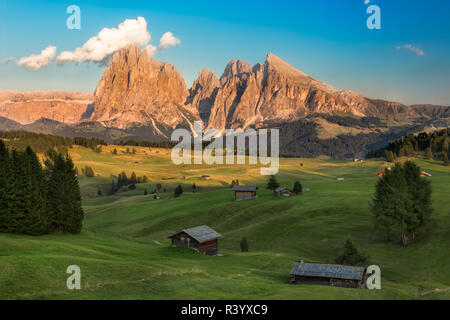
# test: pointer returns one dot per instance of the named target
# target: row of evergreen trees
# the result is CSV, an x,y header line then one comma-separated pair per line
x,y
435,145
37,200
40,142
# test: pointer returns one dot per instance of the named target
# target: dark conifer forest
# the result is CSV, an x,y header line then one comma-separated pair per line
x,y
37,199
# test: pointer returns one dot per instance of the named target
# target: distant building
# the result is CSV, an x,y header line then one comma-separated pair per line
x,y
206,178
244,192
328,275
425,174
201,239
283,191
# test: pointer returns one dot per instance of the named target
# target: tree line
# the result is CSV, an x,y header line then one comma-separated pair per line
x,y
124,180
434,145
40,142
37,199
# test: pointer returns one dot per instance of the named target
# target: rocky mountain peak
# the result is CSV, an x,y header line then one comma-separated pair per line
x,y
136,89
236,68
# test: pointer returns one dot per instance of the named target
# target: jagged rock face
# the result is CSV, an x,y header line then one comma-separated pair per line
x,y
28,107
203,94
137,90
273,91
277,92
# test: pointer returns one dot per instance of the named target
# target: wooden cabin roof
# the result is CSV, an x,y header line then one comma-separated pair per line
x,y
201,234
334,271
245,188
282,188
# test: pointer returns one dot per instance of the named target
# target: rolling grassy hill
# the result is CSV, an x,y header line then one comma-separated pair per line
x,y
124,253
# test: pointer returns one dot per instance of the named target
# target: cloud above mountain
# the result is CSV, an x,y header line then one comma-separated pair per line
x,y
167,40
411,48
109,40
38,61
101,47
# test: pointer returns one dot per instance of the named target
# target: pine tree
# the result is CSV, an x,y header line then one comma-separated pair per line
x,y
64,194
76,216
5,175
273,183
420,194
428,153
390,156
351,256
402,203
298,188
133,178
145,192
194,188
178,191
445,156
38,217
244,245
17,208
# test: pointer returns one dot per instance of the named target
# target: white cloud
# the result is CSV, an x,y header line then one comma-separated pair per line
x,y
108,41
411,48
151,50
101,47
8,60
38,61
167,40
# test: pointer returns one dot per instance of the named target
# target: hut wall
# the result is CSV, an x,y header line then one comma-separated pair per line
x,y
327,282
242,195
312,280
185,241
209,248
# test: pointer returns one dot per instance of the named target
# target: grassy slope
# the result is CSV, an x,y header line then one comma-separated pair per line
x,y
124,252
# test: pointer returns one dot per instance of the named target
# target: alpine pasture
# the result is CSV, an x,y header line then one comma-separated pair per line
x,y
124,251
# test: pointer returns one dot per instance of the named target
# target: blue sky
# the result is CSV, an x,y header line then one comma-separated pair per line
x,y
327,39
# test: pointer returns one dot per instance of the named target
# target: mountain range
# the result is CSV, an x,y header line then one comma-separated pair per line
x,y
139,98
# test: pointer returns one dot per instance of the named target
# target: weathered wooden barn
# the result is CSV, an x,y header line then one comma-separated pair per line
x,y
328,274
201,239
283,191
244,192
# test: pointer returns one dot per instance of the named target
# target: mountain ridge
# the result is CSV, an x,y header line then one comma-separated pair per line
x,y
146,99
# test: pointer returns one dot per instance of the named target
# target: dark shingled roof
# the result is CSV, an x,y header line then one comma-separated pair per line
x,y
245,188
282,188
203,234
334,271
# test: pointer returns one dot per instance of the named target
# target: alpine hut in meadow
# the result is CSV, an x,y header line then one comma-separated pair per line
x,y
244,192
328,274
283,191
201,239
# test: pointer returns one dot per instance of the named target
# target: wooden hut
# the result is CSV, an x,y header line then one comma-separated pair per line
x,y
244,192
201,239
283,191
328,274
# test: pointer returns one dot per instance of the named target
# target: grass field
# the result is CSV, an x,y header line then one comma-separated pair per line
x,y
124,253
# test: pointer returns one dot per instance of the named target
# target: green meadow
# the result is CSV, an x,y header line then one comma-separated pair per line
x,y
124,251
